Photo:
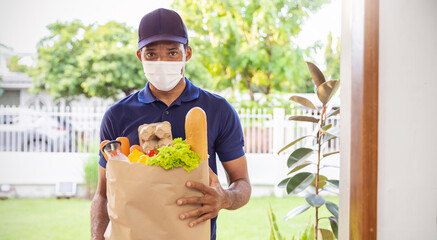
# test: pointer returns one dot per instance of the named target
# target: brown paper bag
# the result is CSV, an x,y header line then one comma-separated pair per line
x,y
142,202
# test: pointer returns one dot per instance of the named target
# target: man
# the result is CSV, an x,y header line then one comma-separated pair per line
x,y
163,50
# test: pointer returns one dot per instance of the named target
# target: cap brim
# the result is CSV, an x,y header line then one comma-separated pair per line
x,y
162,37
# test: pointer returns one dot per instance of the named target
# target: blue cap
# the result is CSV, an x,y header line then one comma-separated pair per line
x,y
161,25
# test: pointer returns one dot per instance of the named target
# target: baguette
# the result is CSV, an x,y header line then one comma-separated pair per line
x,y
196,132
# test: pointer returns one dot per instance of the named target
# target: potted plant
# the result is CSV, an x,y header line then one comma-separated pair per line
x,y
299,178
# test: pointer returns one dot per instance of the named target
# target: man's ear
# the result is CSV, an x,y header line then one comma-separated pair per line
x,y
139,54
189,53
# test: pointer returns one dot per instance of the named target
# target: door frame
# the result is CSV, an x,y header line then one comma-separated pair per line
x,y
364,120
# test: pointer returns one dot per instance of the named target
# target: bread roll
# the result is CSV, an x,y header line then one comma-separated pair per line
x,y
154,135
163,130
165,142
196,132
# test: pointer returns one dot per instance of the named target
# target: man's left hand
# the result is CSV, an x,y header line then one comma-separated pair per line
x,y
215,198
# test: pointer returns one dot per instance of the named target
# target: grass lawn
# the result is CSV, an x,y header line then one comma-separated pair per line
x,y
69,219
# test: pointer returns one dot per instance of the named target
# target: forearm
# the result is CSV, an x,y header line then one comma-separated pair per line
x,y
238,193
99,217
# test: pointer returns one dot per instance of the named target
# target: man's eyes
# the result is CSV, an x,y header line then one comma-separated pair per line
x,y
152,54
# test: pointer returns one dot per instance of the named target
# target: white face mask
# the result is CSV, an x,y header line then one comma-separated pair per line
x,y
164,75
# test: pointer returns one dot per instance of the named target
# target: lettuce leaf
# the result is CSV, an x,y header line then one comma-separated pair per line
x,y
179,154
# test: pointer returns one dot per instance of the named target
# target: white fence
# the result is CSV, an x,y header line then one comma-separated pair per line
x,y
42,147
30,129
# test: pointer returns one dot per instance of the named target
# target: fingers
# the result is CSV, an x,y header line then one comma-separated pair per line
x,y
193,213
199,186
202,214
209,202
201,219
191,200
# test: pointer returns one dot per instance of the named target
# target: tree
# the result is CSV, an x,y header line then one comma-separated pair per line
x,y
248,44
14,65
332,57
94,60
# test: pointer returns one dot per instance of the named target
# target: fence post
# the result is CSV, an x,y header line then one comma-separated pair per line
x,y
278,129
278,143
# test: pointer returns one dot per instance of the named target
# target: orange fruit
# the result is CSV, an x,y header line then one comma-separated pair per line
x,y
125,145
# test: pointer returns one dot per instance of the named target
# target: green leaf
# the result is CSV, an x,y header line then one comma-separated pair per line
x,y
322,182
326,90
333,208
334,183
303,101
292,143
333,113
331,103
315,200
326,138
304,119
299,167
284,182
299,154
327,127
334,226
334,131
326,234
274,233
317,75
299,182
331,153
328,133
296,211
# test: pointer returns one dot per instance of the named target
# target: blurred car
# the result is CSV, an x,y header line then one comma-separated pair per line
x,y
31,130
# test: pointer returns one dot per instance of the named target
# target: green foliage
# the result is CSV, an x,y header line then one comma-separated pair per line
x,y
247,44
308,234
332,57
265,102
94,60
14,66
91,173
275,234
299,181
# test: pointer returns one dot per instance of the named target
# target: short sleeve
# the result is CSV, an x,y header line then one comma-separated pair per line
x,y
107,132
230,140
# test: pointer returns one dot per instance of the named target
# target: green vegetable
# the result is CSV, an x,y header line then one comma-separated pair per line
x,y
174,156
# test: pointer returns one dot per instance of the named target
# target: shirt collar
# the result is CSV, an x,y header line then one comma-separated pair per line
x,y
190,93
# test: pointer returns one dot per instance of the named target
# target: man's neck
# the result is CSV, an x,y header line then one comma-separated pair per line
x,y
168,97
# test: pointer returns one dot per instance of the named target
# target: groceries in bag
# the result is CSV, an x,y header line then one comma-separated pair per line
x,y
142,193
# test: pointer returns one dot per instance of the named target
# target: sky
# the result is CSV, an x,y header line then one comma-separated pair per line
x,y
23,22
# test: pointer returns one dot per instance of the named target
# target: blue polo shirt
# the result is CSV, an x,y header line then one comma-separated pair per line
x,y
225,135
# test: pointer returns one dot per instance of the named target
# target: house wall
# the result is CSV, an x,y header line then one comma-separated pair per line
x,y
10,97
407,192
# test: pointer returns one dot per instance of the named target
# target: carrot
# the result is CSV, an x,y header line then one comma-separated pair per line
x,y
137,147
101,146
125,145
